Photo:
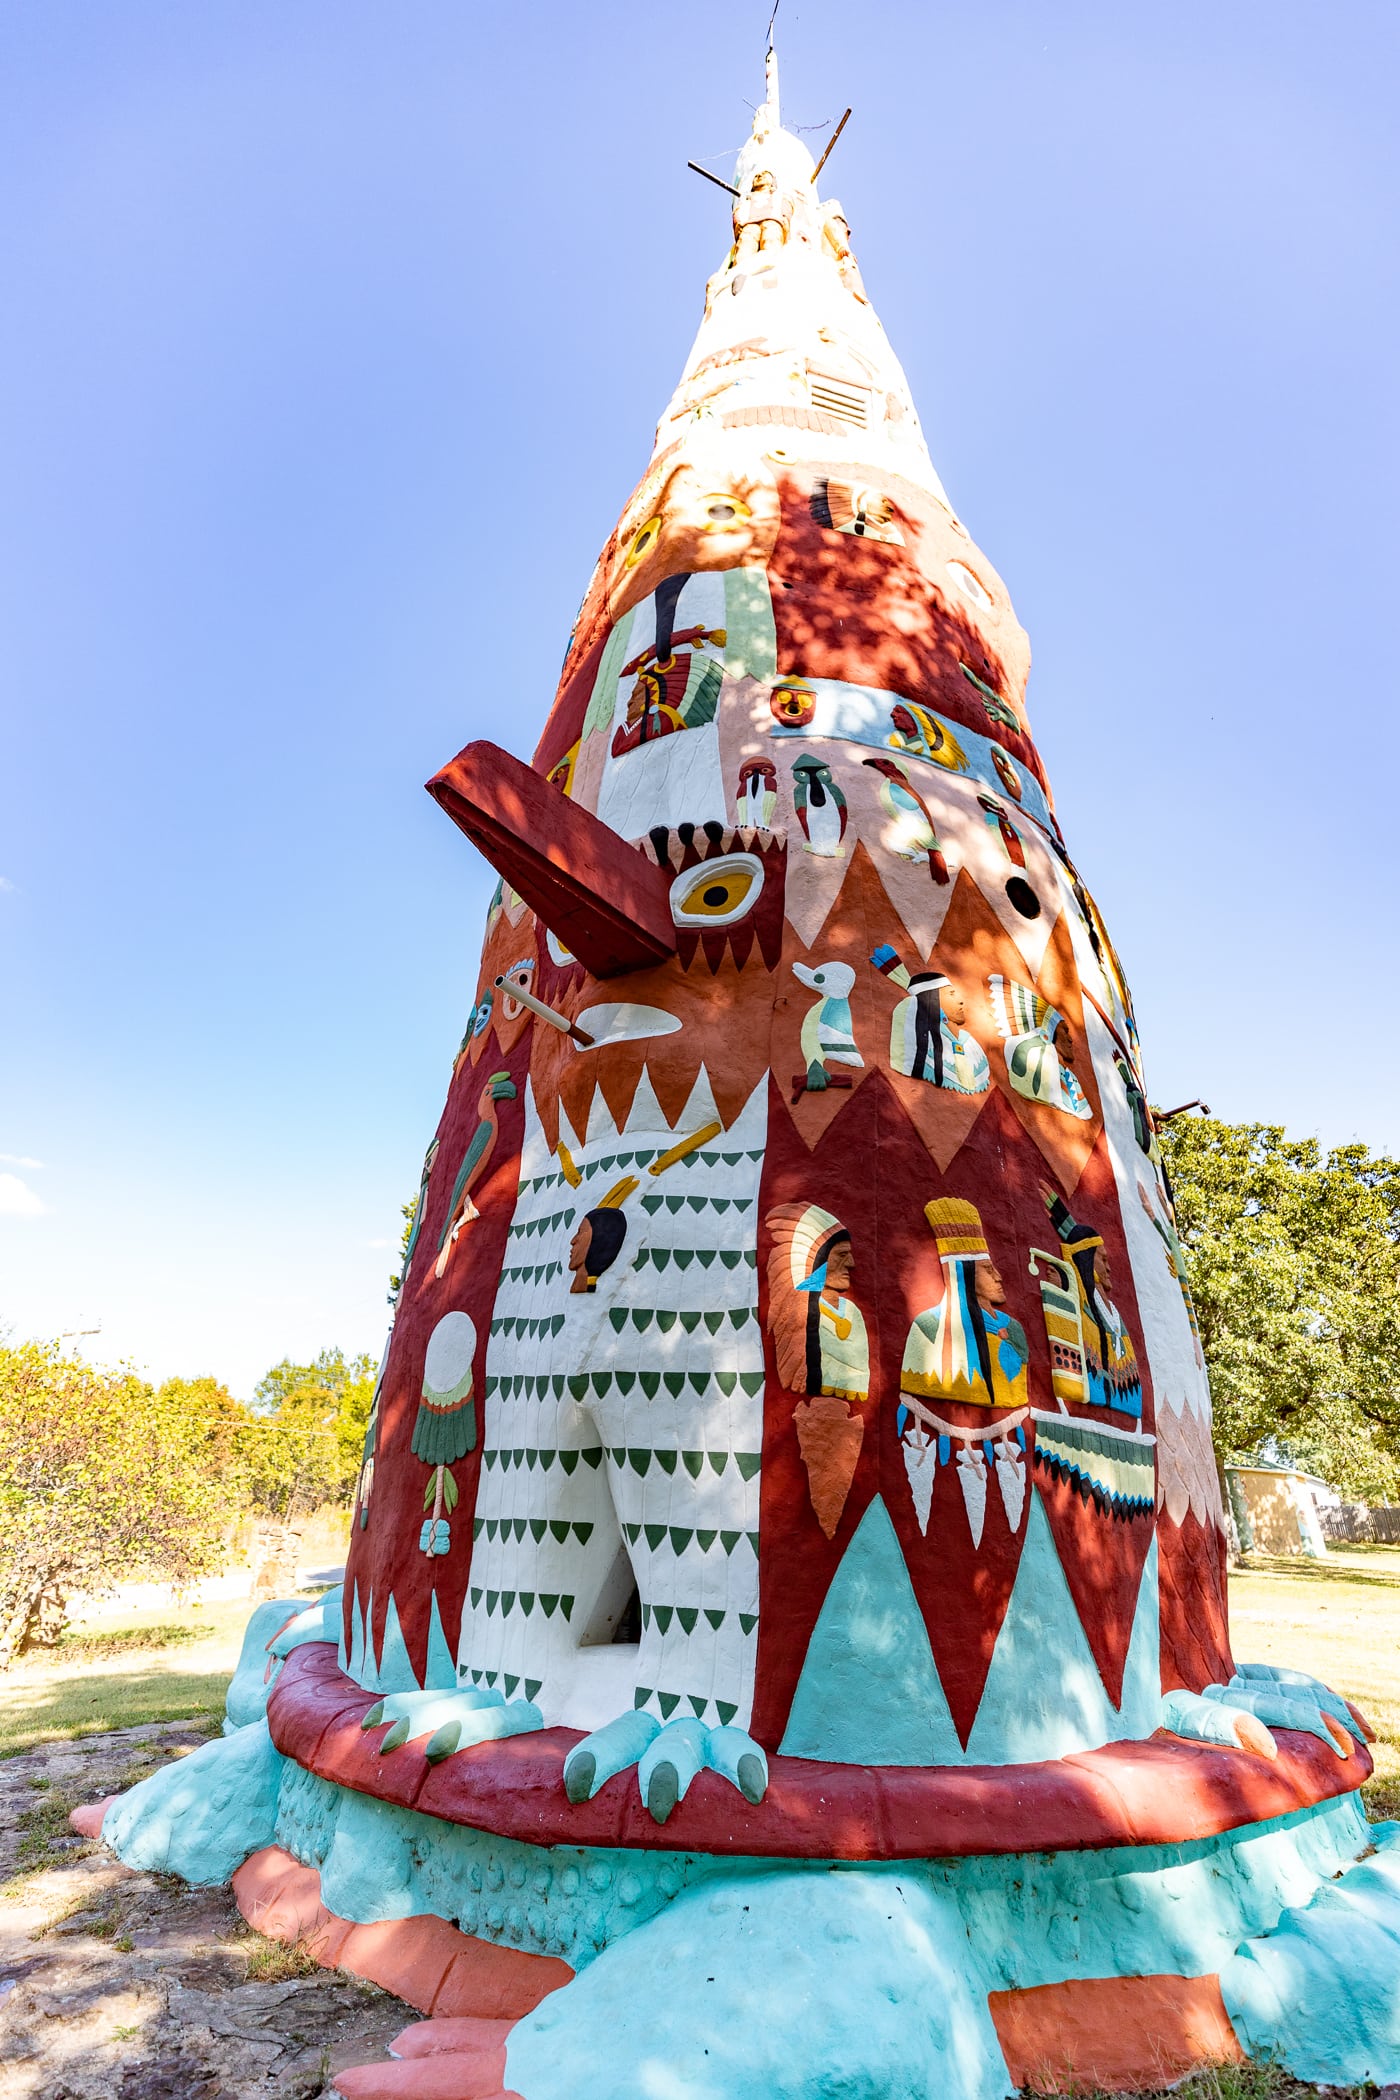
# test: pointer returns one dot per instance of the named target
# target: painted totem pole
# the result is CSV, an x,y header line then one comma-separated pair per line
x,y
793,1441
795,1211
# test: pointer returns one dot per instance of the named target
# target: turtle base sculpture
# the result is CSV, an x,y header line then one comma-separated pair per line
x,y
1111,1919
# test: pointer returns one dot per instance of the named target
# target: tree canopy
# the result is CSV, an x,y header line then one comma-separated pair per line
x,y
305,1435
1295,1273
101,1479
104,1478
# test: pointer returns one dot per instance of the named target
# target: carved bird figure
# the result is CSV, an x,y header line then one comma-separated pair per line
x,y
916,838
461,1210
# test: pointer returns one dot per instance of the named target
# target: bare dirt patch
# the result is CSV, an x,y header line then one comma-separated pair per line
x,y
117,1985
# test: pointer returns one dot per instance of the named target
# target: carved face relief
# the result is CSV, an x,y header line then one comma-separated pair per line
x,y
705,516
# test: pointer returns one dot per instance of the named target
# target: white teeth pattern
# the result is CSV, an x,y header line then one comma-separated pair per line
x,y
601,1127
921,1463
972,1479
645,1112
700,1108
1011,1479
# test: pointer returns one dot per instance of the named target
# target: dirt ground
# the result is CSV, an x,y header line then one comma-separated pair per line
x,y
128,1985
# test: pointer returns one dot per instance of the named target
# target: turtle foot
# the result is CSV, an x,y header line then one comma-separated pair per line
x,y
667,1760
450,1721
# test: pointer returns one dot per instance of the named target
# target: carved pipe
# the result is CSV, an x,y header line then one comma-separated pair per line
x,y
546,1013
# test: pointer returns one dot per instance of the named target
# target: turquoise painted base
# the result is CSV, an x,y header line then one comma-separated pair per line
x,y
715,1978
201,1817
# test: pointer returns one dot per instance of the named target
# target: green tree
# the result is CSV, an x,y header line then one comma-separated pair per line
x,y
302,1440
101,1478
410,1212
1295,1273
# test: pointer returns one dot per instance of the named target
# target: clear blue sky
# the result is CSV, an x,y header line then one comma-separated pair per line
x,y
335,336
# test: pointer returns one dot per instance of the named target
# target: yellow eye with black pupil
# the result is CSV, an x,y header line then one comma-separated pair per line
x,y
709,899
718,893
642,544
722,512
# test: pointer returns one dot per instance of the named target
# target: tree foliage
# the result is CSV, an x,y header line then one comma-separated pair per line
x,y
1295,1272
101,1478
410,1212
301,1443
104,1479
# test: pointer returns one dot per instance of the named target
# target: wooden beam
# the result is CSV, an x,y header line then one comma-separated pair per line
x,y
829,144
603,899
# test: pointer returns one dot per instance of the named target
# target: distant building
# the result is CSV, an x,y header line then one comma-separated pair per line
x,y
1277,1509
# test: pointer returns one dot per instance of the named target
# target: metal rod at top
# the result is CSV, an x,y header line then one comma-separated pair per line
x,y
829,144
719,182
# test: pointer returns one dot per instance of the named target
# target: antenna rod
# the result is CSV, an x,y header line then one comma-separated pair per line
x,y
829,144
719,184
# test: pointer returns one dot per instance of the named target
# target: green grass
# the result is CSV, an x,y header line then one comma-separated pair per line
x,y
1340,1619
274,1961
138,1670
1251,2081
80,1646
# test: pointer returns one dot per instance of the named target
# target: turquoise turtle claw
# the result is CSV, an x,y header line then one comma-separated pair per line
x,y
667,1760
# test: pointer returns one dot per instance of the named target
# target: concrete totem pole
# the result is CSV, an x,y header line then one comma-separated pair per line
x,y
792,1451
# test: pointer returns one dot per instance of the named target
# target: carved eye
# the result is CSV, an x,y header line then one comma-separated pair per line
x,y
518,974
643,540
723,513
481,1019
971,586
719,892
558,952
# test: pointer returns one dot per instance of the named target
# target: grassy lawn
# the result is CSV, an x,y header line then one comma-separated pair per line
x,y
1340,1619
140,1669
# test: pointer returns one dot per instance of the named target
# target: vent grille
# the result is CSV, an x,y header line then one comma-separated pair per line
x,y
835,398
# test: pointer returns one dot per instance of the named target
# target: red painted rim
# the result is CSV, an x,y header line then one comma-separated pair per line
x,y
1161,1792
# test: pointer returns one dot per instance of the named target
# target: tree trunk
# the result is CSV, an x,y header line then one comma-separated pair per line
x,y
47,1621
17,1624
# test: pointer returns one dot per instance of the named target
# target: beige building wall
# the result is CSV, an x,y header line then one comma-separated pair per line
x,y
1282,1512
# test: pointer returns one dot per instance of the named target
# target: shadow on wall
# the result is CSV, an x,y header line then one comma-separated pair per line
x,y
868,613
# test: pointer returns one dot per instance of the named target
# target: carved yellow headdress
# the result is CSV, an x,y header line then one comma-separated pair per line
x,y
957,1227
618,1194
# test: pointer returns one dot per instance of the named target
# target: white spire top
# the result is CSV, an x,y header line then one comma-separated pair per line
x,y
790,362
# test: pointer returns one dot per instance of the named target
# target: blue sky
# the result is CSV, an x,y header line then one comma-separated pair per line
x,y
337,332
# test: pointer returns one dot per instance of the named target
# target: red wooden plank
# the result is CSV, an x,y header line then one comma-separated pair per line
x,y
605,900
